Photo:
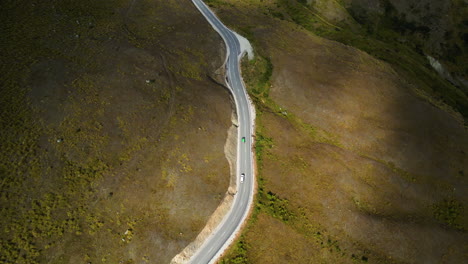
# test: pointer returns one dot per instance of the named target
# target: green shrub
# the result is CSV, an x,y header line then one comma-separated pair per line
x,y
448,212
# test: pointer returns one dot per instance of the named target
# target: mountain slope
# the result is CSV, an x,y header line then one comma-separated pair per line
x,y
356,163
112,133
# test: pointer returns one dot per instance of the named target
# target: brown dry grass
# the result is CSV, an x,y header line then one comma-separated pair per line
x,y
355,166
100,165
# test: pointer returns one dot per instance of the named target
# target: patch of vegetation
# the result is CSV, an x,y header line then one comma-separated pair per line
x,y
257,73
449,212
238,253
262,144
408,176
365,207
359,259
37,225
213,2
276,206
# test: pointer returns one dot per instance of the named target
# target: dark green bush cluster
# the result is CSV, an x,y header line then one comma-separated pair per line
x,y
299,14
276,206
239,254
357,259
257,74
448,212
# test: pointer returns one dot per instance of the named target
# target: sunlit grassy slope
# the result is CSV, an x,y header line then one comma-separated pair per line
x,y
360,147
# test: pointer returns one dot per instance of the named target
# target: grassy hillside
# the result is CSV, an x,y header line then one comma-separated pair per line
x,y
361,158
105,116
384,34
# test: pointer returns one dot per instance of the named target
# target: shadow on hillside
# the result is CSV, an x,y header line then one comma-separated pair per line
x,y
404,158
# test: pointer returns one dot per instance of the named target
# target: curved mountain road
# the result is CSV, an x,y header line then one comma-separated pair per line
x,y
226,231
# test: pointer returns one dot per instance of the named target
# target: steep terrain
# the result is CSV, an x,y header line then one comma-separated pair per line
x,y
361,159
112,133
438,28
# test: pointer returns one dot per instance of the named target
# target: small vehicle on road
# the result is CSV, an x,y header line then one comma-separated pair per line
x,y
242,177
243,139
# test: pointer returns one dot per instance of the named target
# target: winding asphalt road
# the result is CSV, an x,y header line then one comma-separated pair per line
x,y
224,234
